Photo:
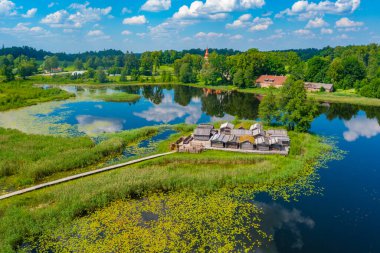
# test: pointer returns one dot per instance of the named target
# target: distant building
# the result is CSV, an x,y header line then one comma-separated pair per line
x,y
55,70
226,128
203,132
266,81
206,55
315,87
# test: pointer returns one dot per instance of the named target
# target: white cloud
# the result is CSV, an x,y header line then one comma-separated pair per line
x,y
210,35
52,4
22,29
30,13
261,24
241,22
125,10
95,33
345,23
92,125
361,126
126,32
156,5
316,23
7,8
304,33
257,24
82,14
198,9
236,37
136,20
326,31
306,10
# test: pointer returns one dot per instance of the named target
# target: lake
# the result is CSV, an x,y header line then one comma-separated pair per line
x,y
345,217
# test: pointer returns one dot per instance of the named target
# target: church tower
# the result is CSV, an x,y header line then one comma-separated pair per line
x,y
206,55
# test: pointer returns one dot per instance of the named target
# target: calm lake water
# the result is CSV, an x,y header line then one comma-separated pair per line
x,y
344,218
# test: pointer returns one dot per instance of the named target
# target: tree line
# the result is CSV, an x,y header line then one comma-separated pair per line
x,y
350,67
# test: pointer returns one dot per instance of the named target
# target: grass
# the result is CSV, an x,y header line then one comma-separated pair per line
x,y
118,97
29,159
26,217
22,93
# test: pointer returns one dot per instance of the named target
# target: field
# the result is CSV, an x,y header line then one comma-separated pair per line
x,y
29,159
23,93
38,216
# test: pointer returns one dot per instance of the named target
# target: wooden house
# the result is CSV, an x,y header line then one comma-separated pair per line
x,y
281,135
218,140
232,142
226,128
275,144
262,143
266,81
247,142
315,87
203,132
241,132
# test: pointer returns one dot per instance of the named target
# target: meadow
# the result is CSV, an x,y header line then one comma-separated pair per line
x,y
27,159
27,218
22,93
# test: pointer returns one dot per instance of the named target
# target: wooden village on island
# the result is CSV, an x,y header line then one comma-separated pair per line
x,y
254,140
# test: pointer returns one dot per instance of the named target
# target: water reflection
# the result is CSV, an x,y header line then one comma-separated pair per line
x,y
277,217
92,125
361,126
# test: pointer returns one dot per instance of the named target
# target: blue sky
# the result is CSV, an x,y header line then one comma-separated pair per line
x,y
140,25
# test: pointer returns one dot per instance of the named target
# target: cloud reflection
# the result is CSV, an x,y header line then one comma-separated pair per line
x,y
277,217
168,111
361,126
92,125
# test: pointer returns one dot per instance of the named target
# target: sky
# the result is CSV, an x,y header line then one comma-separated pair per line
x,y
140,25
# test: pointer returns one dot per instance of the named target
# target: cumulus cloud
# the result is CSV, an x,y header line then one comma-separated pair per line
x,y
81,15
241,22
7,8
136,20
236,37
125,10
97,34
326,31
25,29
261,24
52,4
210,35
198,9
304,33
30,13
156,5
316,23
306,10
257,24
346,22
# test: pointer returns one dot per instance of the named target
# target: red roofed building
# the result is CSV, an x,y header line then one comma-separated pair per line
x,y
266,81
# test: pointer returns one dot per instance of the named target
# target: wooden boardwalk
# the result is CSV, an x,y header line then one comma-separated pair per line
x,y
85,174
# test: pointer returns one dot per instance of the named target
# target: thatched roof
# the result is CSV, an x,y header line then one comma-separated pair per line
x,y
246,138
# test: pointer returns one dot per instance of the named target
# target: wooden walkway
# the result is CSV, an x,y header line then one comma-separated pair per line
x,y
85,174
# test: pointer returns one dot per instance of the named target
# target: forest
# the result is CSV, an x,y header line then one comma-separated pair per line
x,y
350,67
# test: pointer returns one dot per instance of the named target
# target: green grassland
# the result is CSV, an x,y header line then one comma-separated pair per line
x,y
22,93
28,217
29,159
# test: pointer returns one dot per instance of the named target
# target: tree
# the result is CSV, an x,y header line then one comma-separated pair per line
x,y
297,112
78,64
25,66
238,79
123,75
100,76
316,70
186,74
50,62
268,109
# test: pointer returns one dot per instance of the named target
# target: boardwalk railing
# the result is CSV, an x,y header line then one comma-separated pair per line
x,y
85,174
